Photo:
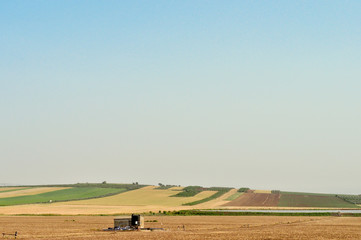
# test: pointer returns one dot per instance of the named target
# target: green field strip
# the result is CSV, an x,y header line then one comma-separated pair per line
x,y
13,190
70,194
234,196
313,200
220,192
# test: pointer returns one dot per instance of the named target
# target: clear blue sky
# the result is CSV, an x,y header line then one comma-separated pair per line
x,y
264,94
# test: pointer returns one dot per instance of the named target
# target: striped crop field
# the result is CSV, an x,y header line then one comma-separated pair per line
x,y
144,197
10,189
67,194
28,191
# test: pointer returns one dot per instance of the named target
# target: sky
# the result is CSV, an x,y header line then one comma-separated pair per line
x,y
259,94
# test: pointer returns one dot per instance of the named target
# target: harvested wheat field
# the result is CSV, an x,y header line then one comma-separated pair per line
x,y
195,227
255,199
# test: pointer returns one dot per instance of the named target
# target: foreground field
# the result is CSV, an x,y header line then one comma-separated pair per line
x,y
195,227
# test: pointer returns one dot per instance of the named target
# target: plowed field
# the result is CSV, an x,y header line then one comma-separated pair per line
x,y
255,199
195,228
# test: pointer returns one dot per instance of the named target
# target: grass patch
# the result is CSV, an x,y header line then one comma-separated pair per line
x,y
62,195
220,192
234,196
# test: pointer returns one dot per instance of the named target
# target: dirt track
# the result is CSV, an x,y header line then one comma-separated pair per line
x,y
256,199
195,227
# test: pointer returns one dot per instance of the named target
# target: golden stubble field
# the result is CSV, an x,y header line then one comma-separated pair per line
x,y
195,227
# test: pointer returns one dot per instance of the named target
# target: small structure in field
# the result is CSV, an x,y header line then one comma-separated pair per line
x,y
135,221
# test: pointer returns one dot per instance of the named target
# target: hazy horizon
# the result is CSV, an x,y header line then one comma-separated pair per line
x,y
261,94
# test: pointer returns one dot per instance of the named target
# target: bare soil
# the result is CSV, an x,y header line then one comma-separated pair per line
x,y
195,227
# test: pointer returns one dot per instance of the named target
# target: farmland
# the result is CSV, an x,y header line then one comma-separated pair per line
x,y
60,195
146,196
107,198
355,199
10,189
234,196
195,227
312,200
219,192
255,199
28,191
289,199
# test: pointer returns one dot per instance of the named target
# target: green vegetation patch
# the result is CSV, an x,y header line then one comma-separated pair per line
x,y
164,187
220,192
313,200
243,189
190,191
70,194
234,196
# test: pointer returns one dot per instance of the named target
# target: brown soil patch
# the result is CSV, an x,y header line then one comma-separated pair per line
x,y
195,227
256,199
